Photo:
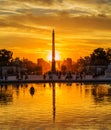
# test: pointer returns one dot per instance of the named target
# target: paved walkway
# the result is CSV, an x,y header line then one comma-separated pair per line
x,y
54,78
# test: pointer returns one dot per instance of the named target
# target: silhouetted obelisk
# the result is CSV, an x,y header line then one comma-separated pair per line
x,y
53,52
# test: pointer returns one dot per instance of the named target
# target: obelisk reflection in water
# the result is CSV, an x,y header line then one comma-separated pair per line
x,y
54,101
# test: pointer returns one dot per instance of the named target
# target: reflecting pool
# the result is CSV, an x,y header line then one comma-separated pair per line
x,y
55,106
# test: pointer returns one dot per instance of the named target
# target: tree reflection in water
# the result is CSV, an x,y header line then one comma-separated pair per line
x,y
6,92
6,95
101,93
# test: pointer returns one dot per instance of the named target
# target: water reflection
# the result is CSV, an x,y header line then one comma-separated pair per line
x,y
44,85
32,91
101,93
55,105
6,95
6,92
17,89
54,100
69,84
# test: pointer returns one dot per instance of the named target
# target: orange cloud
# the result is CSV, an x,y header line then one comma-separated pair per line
x,y
25,26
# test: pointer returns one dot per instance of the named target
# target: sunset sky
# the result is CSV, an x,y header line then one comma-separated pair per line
x,y
80,26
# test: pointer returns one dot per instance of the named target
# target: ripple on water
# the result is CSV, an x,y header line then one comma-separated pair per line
x,y
72,108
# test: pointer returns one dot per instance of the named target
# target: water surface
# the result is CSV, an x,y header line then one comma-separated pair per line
x,y
55,106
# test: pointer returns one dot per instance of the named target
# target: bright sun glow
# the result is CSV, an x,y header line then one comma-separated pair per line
x,y
57,56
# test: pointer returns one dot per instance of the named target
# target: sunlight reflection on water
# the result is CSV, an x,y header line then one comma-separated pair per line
x,y
55,106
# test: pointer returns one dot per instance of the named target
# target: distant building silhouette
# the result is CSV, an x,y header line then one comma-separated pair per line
x,y
43,66
108,71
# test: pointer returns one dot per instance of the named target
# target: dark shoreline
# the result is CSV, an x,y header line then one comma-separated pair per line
x,y
57,81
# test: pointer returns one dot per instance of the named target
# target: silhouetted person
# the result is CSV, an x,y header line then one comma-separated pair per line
x,y
5,76
81,76
59,76
50,76
44,76
17,76
26,77
77,76
68,76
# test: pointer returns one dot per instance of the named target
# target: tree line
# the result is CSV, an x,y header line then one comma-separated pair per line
x,y
6,59
99,56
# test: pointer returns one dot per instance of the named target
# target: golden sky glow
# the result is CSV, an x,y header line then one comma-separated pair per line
x,y
80,27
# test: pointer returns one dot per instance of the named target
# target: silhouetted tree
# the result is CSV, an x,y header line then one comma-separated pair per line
x,y
81,64
5,57
29,65
17,62
108,51
99,57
